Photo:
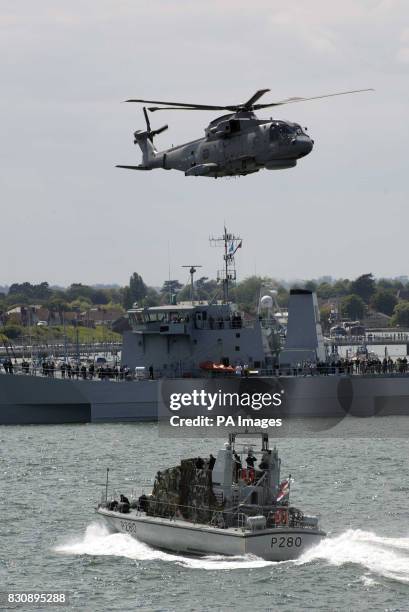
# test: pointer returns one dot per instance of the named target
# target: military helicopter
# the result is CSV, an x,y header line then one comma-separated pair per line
x,y
235,144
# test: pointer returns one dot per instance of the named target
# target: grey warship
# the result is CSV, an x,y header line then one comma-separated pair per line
x,y
216,506
207,343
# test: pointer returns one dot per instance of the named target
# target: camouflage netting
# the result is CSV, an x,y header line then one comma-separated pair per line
x,y
184,491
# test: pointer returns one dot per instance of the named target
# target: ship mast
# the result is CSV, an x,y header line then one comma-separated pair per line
x,y
192,270
230,244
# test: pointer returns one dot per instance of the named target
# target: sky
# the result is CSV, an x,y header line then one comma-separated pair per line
x,y
68,215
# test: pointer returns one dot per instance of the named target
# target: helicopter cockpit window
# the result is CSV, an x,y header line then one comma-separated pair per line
x,y
285,129
274,133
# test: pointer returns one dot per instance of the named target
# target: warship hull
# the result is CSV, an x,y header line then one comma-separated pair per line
x,y
277,544
26,399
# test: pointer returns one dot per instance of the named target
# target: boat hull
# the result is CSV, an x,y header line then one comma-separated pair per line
x,y
42,400
278,544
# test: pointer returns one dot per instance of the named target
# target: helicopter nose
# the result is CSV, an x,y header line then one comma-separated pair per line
x,y
304,145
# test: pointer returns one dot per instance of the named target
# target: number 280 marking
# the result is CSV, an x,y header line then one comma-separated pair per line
x,y
286,542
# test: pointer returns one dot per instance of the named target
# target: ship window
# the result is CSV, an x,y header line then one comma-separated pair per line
x,y
237,335
257,364
236,348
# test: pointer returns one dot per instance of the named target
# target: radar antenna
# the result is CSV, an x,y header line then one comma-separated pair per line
x,y
192,271
230,243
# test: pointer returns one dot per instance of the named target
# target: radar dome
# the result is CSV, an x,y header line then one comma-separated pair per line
x,y
266,301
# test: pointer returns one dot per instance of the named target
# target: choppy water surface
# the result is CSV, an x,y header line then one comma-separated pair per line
x,y
50,538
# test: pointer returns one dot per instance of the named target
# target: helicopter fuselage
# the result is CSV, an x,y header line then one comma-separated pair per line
x,y
234,144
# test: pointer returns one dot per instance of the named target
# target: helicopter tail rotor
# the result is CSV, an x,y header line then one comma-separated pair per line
x,y
149,132
144,138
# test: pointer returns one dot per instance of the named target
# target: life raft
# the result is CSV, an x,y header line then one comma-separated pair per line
x,y
210,366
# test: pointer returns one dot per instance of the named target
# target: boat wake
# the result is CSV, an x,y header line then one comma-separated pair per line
x,y
386,557
98,541
381,556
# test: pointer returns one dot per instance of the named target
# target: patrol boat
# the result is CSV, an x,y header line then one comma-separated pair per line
x,y
217,506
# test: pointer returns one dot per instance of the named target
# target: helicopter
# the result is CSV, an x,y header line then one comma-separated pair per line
x,y
236,144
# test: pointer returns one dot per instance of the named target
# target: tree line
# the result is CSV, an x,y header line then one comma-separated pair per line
x,y
353,297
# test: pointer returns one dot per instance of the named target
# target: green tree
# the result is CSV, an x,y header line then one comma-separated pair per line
x,y
58,306
325,312
325,291
283,296
78,291
311,285
387,283
11,331
99,297
401,314
170,288
135,292
246,293
79,305
152,297
353,307
364,286
384,300
341,287
30,292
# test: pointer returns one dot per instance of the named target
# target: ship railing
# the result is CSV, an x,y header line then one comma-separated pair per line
x,y
48,372
395,370
218,517
362,369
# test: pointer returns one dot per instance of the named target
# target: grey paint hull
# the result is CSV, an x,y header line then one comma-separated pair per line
x,y
38,400
279,544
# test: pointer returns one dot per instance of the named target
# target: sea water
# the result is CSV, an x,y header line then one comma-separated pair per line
x,y
51,539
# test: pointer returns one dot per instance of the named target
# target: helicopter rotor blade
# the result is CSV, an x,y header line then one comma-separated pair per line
x,y
159,130
250,103
148,123
297,99
182,104
153,109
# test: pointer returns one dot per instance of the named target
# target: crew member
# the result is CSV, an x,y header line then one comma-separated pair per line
x,y
250,461
236,466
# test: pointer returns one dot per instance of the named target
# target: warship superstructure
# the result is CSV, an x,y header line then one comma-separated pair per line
x,y
219,506
202,341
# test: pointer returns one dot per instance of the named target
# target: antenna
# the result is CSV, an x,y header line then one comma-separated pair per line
x,y
193,269
230,244
170,290
106,486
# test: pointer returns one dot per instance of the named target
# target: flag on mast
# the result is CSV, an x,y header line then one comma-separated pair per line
x,y
284,489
